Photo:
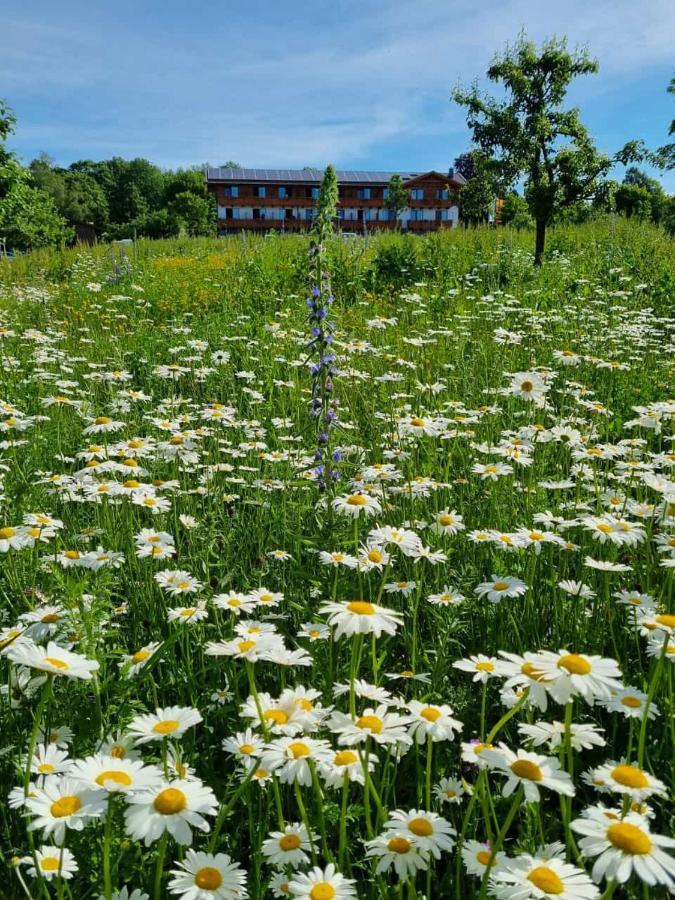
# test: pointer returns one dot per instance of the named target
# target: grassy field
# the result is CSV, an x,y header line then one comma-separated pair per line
x,y
447,674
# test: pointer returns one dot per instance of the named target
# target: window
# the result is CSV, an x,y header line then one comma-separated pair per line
x,y
370,215
363,193
385,193
385,215
231,190
289,214
417,215
284,192
315,193
442,194
417,194
259,191
242,212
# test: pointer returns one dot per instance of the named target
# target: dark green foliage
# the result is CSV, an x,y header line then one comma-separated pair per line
x,y
531,135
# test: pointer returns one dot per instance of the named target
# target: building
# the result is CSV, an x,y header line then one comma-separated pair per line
x,y
285,199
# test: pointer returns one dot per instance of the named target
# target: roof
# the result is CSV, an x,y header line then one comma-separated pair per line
x,y
310,176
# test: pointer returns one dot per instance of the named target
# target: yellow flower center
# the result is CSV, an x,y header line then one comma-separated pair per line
x,y
483,857
417,422
629,838
356,500
131,483
374,556
67,805
170,801
298,749
113,775
118,752
278,716
289,842
6,533
371,723
208,878
500,586
345,758
445,520
189,611
575,664
46,768
49,864
399,845
485,667
667,619
322,891
546,880
523,768
526,386
605,529
246,749
72,554
431,713
49,619
361,608
103,420
421,827
630,776
57,663
140,656
168,726
631,702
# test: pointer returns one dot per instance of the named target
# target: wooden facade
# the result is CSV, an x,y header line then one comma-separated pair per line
x,y
285,200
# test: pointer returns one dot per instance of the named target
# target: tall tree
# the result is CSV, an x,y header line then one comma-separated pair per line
x,y
28,217
397,198
531,135
665,156
477,197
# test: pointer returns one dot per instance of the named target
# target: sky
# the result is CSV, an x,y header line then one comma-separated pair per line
x,y
288,83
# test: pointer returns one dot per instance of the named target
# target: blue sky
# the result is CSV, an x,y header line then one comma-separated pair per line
x,y
359,83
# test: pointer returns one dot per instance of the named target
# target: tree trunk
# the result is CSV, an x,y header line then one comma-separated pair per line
x,y
540,241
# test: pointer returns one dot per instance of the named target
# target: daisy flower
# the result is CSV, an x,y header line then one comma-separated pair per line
x,y
501,586
632,703
63,802
356,505
360,617
476,858
235,602
541,878
447,597
134,662
172,721
188,615
321,884
582,736
382,726
435,722
244,744
530,770
289,758
449,790
172,806
346,763
52,862
49,760
566,675
396,850
205,876
482,667
115,775
52,659
447,522
428,831
623,847
624,778
289,847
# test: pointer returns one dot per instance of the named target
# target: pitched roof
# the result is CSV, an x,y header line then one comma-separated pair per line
x,y
310,176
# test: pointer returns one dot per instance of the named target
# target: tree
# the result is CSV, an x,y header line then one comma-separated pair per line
x,y
184,180
633,201
193,214
515,212
28,217
477,197
230,164
397,198
463,165
532,136
77,195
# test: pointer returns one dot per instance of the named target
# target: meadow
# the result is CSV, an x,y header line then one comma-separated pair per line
x,y
444,672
